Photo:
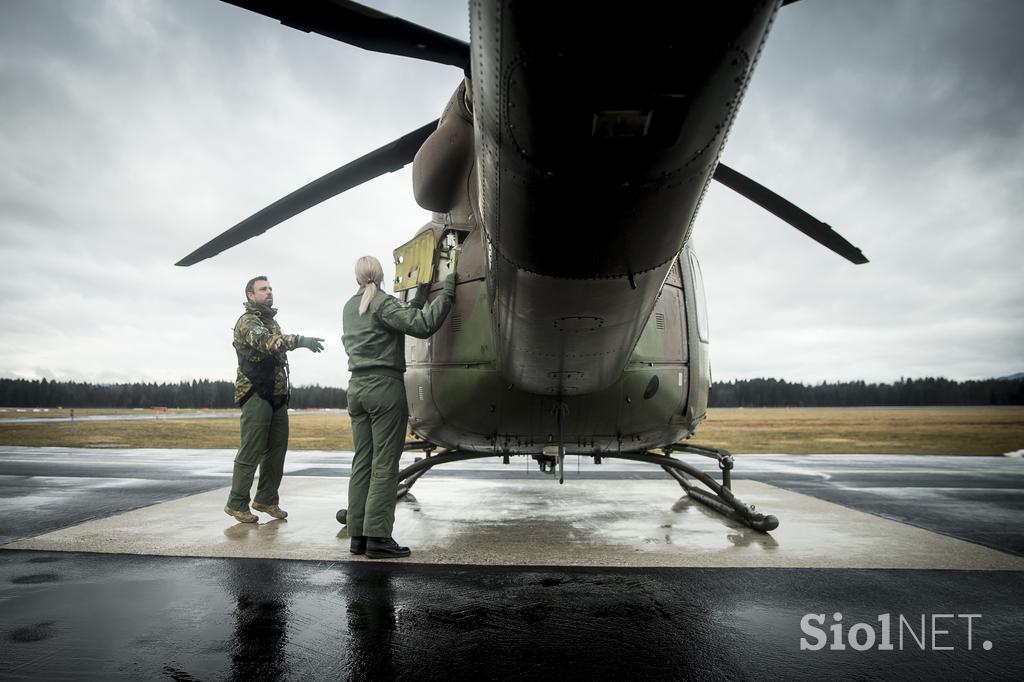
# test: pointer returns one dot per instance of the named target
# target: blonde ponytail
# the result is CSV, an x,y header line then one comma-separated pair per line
x,y
369,274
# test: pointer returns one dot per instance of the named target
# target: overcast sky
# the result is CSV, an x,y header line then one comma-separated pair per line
x,y
132,132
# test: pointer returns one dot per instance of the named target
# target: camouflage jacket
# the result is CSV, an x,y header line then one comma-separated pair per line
x,y
376,340
257,337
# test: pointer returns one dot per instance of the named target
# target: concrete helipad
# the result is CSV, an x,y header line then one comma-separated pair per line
x,y
454,520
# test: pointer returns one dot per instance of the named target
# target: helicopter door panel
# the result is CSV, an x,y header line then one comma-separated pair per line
x,y
414,262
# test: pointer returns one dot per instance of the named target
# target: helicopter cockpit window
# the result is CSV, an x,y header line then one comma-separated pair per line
x,y
700,298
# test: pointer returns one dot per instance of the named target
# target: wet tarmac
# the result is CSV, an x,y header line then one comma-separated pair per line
x,y
512,576
107,617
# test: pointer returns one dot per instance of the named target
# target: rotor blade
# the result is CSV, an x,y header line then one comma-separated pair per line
x,y
789,212
386,159
364,27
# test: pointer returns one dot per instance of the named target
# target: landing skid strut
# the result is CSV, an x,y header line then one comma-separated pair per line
x,y
720,498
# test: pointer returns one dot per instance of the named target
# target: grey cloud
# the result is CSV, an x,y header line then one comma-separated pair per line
x,y
136,131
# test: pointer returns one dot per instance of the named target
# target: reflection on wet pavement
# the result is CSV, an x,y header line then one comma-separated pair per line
x,y
143,617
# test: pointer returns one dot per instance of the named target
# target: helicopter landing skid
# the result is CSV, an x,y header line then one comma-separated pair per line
x,y
720,499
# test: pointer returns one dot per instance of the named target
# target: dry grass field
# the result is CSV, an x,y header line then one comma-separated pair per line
x,y
882,430
925,430
64,413
308,431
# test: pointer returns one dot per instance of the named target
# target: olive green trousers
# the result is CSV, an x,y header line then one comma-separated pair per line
x,y
264,443
377,407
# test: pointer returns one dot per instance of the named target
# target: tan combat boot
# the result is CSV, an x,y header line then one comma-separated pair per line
x,y
242,515
271,509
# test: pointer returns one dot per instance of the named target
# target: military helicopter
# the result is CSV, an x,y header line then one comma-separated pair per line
x,y
567,169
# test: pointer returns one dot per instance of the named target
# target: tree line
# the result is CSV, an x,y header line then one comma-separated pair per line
x,y
201,393
204,393
905,392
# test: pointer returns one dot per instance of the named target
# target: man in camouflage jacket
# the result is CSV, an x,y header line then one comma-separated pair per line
x,y
261,390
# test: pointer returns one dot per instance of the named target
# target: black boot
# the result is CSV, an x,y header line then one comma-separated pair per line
x,y
385,548
357,545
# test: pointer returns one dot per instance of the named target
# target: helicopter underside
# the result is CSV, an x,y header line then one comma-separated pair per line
x,y
458,398
473,409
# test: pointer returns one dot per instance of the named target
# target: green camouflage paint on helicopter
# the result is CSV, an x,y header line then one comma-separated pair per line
x,y
458,398
461,396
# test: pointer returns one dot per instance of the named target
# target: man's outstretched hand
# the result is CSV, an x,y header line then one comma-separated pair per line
x,y
313,343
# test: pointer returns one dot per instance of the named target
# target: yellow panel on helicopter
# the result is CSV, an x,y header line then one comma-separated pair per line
x,y
414,262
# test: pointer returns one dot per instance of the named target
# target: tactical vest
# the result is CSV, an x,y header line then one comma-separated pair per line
x,y
261,374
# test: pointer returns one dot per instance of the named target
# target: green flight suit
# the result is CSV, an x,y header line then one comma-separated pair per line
x,y
375,344
264,424
264,443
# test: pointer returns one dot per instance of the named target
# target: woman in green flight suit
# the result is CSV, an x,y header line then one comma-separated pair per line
x,y
374,325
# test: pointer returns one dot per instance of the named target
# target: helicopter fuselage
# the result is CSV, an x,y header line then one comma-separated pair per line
x,y
570,167
458,397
